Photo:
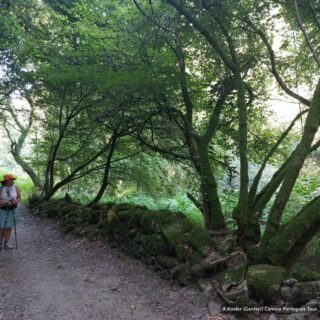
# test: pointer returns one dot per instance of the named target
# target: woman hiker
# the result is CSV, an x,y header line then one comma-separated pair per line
x,y
9,198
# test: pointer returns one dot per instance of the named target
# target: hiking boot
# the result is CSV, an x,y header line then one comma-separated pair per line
x,y
6,245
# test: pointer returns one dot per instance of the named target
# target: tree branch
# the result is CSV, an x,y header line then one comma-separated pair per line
x,y
300,23
273,65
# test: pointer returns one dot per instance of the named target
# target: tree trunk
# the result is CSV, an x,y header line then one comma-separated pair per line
x,y
213,216
287,245
247,221
294,167
25,166
106,174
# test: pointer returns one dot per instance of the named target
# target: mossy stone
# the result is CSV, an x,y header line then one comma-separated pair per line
x,y
152,245
176,240
200,240
182,275
227,244
153,220
103,217
242,300
305,291
148,221
165,262
264,281
130,217
194,258
232,276
210,265
303,274
182,252
123,207
69,227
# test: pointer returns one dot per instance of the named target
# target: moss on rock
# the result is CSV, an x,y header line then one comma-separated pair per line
x,y
305,291
232,276
182,275
166,262
152,245
207,267
303,274
264,281
226,244
151,221
194,257
200,240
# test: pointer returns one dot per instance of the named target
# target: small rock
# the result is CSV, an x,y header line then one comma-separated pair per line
x,y
290,282
114,289
305,291
273,317
315,303
286,293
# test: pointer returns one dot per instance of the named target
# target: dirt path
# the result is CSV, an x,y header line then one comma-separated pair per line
x,y
57,276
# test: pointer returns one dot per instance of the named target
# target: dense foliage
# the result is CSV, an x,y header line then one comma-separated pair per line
x,y
169,99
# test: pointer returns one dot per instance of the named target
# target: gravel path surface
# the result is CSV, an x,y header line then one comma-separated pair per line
x,y
54,275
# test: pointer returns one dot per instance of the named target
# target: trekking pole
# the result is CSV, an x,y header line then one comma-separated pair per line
x,y
15,229
4,230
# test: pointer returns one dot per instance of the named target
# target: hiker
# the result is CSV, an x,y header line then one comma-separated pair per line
x,y
9,198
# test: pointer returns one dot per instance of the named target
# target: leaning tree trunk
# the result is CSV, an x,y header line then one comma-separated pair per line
x,y
293,169
25,166
287,245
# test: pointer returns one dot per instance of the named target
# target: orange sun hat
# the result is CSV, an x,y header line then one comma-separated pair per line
x,y
8,177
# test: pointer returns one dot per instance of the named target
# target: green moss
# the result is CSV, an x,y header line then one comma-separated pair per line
x,y
226,244
69,227
152,245
148,221
173,234
303,274
232,276
210,265
87,230
153,220
264,281
166,262
200,240
305,291
186,226
130,218
182,275
194,258
123,207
